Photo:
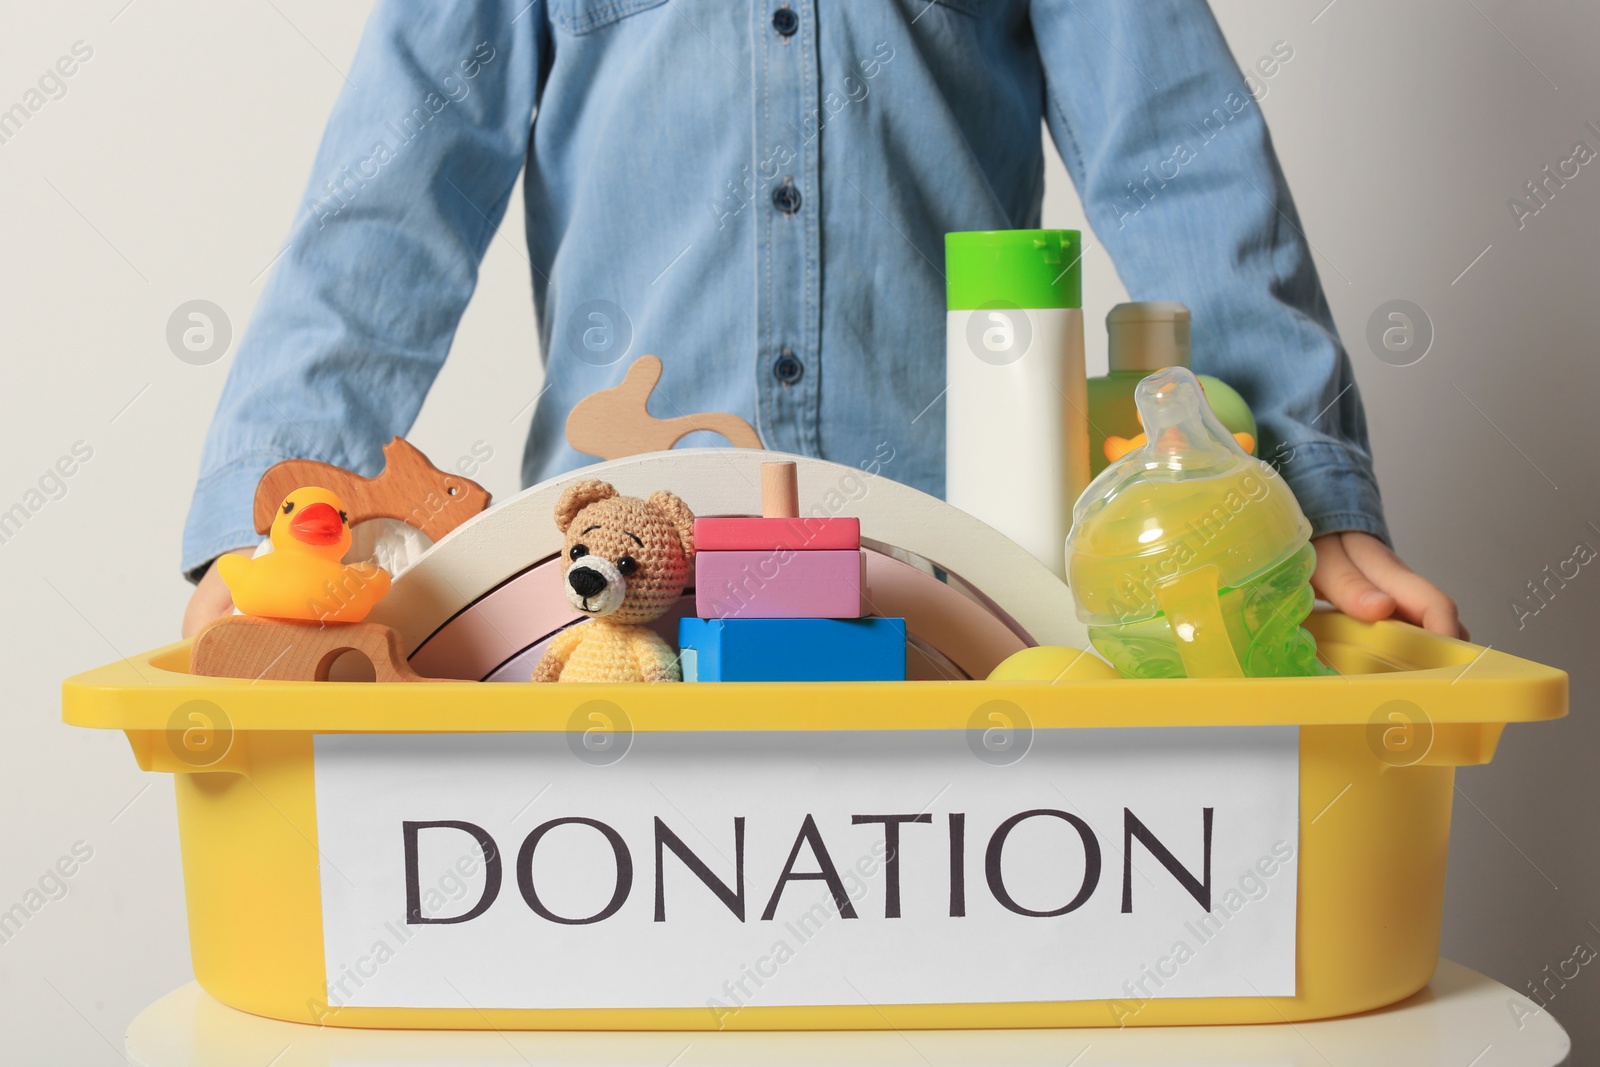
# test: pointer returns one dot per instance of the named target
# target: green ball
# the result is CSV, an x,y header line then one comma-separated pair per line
x,y
1230,407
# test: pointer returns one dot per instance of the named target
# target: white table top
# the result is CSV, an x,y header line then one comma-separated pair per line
x,y
1462,1019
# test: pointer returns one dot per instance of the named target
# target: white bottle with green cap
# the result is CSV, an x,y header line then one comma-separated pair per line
x,y
1016,432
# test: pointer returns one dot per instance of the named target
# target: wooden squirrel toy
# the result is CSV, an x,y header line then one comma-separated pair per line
x,y
409,489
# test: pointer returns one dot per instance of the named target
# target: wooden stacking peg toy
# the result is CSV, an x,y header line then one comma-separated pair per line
x,y
779,566
780,491
780,525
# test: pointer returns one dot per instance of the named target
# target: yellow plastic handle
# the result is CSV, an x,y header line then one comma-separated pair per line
x,y
1189,601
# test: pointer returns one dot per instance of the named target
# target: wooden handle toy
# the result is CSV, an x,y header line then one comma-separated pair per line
x,y
410,489
615,422
240,646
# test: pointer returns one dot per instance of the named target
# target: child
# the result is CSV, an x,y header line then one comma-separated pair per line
x,y
759,190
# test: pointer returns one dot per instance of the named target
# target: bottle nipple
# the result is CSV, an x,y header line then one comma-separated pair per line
x,y
1183,432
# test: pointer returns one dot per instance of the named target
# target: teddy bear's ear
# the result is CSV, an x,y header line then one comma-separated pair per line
x,y
677,513
579,495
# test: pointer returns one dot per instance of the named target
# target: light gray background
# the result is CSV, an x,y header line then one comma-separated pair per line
x,y
170,169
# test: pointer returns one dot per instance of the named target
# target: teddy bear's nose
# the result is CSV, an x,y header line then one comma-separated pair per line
x,y
586,581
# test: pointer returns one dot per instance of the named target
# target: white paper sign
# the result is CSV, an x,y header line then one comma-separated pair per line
x,y
725,870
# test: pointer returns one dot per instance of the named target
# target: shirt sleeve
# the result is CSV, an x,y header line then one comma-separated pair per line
x,y
412,178
1170,153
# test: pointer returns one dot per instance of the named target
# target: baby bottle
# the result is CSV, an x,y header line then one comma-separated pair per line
x,y
1187,557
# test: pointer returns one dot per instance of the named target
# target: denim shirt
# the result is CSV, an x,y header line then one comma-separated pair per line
x,y
757,192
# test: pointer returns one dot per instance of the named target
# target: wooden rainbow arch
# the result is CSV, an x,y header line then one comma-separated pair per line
x,y
481,603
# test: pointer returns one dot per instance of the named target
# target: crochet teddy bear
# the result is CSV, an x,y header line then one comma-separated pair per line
x,y
625,563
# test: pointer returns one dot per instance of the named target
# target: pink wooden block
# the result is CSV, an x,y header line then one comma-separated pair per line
x,y
777,585
764,535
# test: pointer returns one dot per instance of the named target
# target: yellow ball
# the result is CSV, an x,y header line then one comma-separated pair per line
x,y
1052,663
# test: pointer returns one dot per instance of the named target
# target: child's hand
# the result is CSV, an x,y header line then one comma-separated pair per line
x,y
1363,578
210,600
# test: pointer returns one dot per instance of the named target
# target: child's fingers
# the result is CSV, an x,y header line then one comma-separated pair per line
x,y
1419,600
210,600
1338,580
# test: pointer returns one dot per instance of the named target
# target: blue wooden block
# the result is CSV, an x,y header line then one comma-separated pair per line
x,y
792,650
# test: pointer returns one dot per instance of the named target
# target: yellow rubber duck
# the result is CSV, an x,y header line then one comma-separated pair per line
x,y
303,578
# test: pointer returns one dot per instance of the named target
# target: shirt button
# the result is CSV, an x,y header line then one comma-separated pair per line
x,y
786,198
785,21
787,368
